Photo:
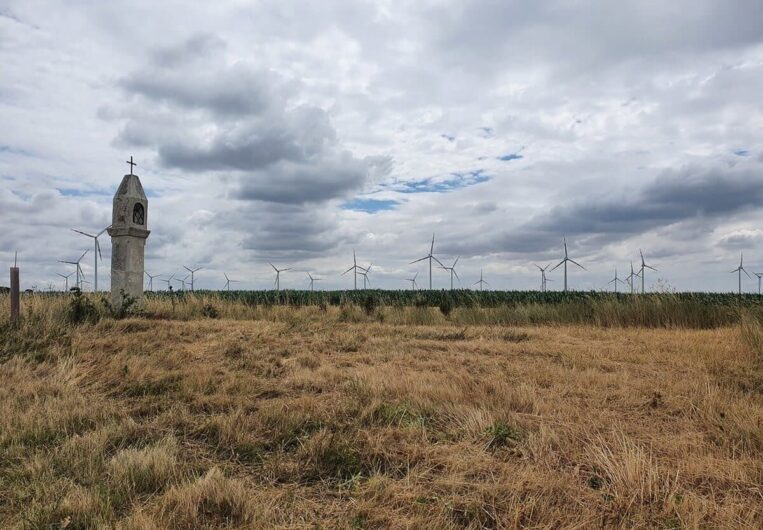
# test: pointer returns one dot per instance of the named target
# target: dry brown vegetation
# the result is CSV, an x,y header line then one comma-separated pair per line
x,y
310,418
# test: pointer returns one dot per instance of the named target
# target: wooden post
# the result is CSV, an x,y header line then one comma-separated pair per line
x,y
14,294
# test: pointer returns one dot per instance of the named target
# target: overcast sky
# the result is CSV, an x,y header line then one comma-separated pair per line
x,y
293,132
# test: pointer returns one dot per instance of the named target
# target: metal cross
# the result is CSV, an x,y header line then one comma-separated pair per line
x,y
131,164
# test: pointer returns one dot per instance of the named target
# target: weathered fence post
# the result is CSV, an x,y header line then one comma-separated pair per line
x,y
14,294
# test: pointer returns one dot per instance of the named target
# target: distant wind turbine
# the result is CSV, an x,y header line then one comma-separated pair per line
x,y
168,280
96,252
192,271
66,278
543,278
365,276
615,280
151,280
278,276
641,273
452,271
759,275
740,270
413,281
228,281
429,257
481,282
630,277
564,261
312,281
355,268
80,274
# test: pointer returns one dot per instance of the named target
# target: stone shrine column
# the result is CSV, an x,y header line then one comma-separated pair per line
x,y
128,233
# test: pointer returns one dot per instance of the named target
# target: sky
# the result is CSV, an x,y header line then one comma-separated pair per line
x,y
293,132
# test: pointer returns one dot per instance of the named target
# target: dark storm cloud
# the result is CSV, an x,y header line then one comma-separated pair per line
x,y
283,231
211,116
707,196
675,195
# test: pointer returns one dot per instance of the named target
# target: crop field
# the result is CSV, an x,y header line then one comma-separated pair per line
x,y
234,410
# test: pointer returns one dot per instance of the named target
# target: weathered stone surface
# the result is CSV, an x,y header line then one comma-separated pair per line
x,y
128,231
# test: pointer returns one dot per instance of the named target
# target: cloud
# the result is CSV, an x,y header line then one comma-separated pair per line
x,y
238,120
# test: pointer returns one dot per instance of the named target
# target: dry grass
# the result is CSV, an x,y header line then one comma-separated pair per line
x,y
302,418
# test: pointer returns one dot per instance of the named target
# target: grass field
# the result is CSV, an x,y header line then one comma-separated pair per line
x,y
208,414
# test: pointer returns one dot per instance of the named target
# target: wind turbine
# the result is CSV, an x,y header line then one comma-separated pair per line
x,y
354,268
644,266
740,270
630,277
430,257
228,281
168,280
365,275
543,279
615,280
192,271
759,275
452,270
312,280
96,251
182,282
413,281
151,280
481,282
278,276
66,278
80,274
564,261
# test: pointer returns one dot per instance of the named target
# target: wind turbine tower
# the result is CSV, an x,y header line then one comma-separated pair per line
x,y
641,273
564,262
66,279
759,275
192,271
278,276
543,278
312,281
80,274
228,281
429,257
615,280
740,270
96,252
481,282
452,271
151,280
355,267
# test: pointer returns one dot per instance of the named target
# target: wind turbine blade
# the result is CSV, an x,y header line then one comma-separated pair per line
x,y
414,276
98,246
648,267
578,264
348,270
454,263
456,275
274,267
748,274
83,233
102,231
557,265
421,259
83,255
431,248
437,260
